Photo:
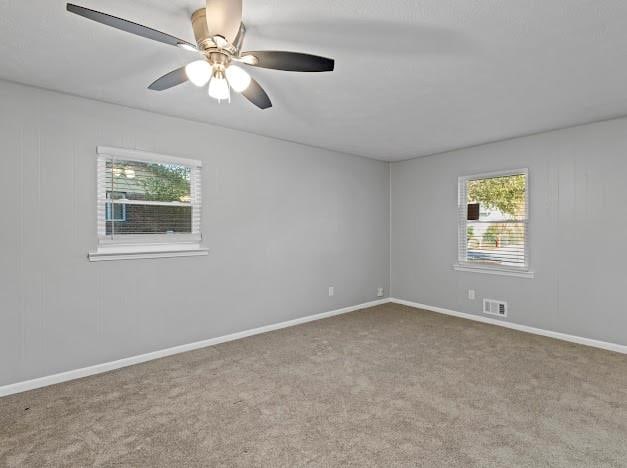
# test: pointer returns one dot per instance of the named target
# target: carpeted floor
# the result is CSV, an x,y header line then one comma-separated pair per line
x,y
386,386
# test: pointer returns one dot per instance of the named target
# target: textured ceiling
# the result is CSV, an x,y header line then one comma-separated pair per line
x,y
413,77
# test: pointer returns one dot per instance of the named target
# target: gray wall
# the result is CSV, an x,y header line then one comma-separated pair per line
x,y
578,231
283,222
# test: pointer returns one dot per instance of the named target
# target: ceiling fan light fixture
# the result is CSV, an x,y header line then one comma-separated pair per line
x,y
198,72
219,87
219,34
238,78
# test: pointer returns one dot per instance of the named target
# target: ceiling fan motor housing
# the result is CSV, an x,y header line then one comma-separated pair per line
x,y
217,54
201,30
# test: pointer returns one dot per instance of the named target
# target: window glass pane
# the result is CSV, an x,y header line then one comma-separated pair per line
x,y
148,181
496,243
499,198
143,219
498,237
147,198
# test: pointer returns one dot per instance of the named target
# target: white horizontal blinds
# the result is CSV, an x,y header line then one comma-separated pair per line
x,y
493,219
140,198
101,196
196,198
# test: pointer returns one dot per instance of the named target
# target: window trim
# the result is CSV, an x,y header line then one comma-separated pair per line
x,y
462,264
133,246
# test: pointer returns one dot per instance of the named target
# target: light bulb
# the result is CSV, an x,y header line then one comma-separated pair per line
x,y
238,78
219,87
198,72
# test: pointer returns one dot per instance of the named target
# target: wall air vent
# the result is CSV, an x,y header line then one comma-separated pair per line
x,y
494,307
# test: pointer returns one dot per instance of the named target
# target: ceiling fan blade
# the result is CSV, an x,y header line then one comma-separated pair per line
x,y
170,80
255,94
128,26
290,61
239,39
224,18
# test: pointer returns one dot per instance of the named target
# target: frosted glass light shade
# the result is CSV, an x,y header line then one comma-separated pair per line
x,y
238,78
198,72
219,88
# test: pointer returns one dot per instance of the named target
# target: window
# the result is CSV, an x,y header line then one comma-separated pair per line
x,y
148,205
115,212
493,219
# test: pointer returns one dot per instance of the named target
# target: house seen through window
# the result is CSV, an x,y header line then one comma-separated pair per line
x,y
147,198
115,212
493,216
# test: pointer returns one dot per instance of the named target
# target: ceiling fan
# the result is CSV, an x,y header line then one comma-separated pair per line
x,y
219,34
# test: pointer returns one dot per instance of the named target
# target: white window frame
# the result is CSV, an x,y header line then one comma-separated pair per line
x,y
131,246
462,207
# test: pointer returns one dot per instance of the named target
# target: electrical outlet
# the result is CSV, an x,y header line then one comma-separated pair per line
x,y
471,294
331,291
380,292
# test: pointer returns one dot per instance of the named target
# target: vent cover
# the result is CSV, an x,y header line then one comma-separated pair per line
x,y
494,307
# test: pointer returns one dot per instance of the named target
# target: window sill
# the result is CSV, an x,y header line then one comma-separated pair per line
x,y
495,271
133,252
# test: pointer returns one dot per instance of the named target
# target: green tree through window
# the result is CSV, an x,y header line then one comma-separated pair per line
x,y
506,194
168,183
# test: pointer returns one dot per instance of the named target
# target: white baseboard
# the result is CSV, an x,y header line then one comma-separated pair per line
x,y
129,361
112,365
515,326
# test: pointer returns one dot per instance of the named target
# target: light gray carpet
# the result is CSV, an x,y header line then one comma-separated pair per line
x,y
386,386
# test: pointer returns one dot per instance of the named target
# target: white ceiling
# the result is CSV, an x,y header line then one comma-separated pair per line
x,y
413,77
